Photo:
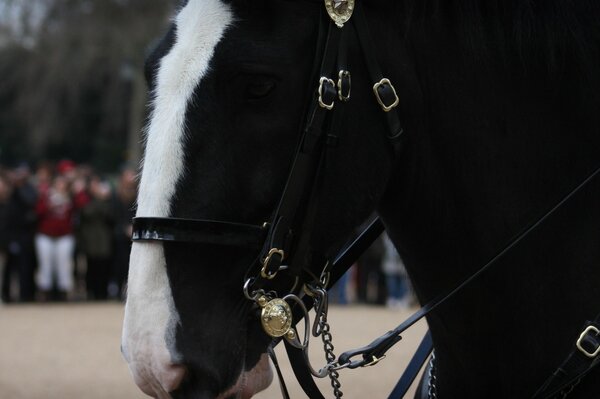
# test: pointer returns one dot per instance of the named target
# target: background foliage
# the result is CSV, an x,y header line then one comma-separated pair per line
x,y
71,78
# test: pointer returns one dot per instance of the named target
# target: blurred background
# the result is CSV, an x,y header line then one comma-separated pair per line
x,y
72,108
72,78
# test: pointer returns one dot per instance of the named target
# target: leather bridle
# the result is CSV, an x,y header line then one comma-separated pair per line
x,y
283,242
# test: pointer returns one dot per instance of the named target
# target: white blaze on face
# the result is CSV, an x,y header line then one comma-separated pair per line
x,y
150,315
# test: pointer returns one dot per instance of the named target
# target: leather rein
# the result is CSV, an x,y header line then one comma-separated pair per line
x,y
283,241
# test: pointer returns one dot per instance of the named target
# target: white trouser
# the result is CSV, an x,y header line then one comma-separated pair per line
x,y
55,254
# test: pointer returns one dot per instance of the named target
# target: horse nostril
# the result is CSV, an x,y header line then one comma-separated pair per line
x,y
170,379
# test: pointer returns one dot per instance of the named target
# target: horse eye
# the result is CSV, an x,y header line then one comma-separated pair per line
x,y
259,89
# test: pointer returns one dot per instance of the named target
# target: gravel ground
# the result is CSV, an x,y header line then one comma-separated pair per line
x,y
72,352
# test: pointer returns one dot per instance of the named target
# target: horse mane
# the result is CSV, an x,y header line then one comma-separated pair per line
x,y
530,31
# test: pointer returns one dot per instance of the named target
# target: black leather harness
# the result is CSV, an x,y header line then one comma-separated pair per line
x,y
283,241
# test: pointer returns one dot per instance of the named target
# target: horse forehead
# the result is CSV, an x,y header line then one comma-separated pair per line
x,y
199,27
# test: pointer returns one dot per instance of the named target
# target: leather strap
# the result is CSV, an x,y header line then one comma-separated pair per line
x,y
386,92
346,258
290,211
584,356
337,268
302,373
290,216
350,254
413,368
284,392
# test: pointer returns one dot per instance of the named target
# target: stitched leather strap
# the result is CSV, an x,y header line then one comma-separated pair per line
x,y
583,357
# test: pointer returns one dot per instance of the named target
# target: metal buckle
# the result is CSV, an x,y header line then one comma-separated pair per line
x,y
344,76
322,81
589,329
385,81
263,271
374,361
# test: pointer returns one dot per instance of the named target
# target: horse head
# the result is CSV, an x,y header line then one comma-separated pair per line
x,y
252,139
231,83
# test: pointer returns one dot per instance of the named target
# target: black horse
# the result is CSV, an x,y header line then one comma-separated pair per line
x,y
500,110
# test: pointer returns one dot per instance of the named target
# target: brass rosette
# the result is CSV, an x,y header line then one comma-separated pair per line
x,y
340,11
276,317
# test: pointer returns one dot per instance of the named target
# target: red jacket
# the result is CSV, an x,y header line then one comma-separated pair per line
x,y
55,214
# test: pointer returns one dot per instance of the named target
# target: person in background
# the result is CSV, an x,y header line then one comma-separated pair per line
x,y
67,169
54,240
400,294
96,235
20,224
5,193
79,177
338,294
43,177
370,284
124,208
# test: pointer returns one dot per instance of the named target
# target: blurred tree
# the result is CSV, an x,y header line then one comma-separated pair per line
x,y
71,77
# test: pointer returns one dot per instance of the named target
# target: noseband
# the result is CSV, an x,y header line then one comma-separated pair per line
x,y
283,242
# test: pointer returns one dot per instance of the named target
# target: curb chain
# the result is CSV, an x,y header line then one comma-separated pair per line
x,y
431,383
328,347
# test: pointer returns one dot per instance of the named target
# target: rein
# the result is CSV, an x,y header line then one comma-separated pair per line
x,y
283,242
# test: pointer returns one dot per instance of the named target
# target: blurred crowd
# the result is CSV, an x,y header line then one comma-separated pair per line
x,y
65,236
64,232
377,278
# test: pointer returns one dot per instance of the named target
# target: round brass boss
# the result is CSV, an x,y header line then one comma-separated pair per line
x,y
276,318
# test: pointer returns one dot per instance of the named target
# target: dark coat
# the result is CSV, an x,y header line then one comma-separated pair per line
x,y
96,229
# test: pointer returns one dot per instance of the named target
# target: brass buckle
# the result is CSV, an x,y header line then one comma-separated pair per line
x,y
323,80
374,361
585,332
385,81
340,85
263,271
